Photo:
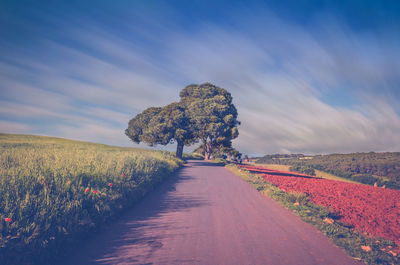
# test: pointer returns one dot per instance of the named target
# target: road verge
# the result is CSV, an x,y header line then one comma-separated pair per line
x,y
357,245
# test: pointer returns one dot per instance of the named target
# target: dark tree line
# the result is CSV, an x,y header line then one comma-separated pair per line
x,y
204,113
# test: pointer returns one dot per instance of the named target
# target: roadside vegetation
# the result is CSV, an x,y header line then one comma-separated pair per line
x,y
371,250
54,192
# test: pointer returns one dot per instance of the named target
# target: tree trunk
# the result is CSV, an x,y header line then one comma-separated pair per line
x,y
179,149
207,150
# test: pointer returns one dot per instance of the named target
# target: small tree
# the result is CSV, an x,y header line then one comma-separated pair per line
x,y
220,151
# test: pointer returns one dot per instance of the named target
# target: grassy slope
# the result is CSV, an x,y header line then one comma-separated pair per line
x,y
56,190
325,175
322,219
318,173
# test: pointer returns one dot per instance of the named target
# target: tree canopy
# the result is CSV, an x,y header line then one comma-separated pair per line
x,y
161,126
205,113
212,114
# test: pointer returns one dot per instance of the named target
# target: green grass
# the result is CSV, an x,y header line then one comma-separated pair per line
x,y
274,166
325,221
318,173
325,175
56,191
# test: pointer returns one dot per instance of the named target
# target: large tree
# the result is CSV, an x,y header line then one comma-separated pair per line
x,y
205,113
213,116
162,126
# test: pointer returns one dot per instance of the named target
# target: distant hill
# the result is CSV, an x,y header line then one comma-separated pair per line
x,y
368,168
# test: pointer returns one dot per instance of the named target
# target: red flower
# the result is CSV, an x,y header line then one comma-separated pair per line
x,y
123,175
8,220
109,184
95,191
368,209
366,248
87,190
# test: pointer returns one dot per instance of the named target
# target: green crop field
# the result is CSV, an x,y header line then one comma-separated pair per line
x,y
55,191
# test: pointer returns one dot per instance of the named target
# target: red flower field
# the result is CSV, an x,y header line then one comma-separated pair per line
x,y
372,210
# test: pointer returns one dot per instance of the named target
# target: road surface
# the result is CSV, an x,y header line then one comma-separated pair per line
x,y
204,214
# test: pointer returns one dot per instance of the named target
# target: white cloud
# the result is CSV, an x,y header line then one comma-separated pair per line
x,y
277,86
14,127
107,114
93,132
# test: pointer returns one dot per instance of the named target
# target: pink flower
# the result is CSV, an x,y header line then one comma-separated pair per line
x,y
95,191
109,184
8,220
123,175
87,190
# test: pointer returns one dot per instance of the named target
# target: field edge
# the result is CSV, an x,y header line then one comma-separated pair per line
x,y
370,250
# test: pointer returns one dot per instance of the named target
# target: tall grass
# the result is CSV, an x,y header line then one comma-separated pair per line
x,y
56,190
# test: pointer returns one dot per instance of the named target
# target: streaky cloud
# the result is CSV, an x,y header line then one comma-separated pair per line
x,y
311,88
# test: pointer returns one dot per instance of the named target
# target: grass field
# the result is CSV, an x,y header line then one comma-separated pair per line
x,y
318,173
55,191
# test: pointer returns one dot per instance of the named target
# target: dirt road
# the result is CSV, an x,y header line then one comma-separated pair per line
x,y
206,215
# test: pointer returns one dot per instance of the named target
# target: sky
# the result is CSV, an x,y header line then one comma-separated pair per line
x,y
311,77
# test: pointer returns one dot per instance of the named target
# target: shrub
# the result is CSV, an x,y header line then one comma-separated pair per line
x,y
366,179
301,168
297,197
193,156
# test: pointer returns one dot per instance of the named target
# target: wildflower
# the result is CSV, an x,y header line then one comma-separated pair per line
x,y
123,175
109,184
42,180
8,220
329,220
95,191
366,248
87,190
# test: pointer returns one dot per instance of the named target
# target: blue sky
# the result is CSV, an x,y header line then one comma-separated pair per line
x,y
306,76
